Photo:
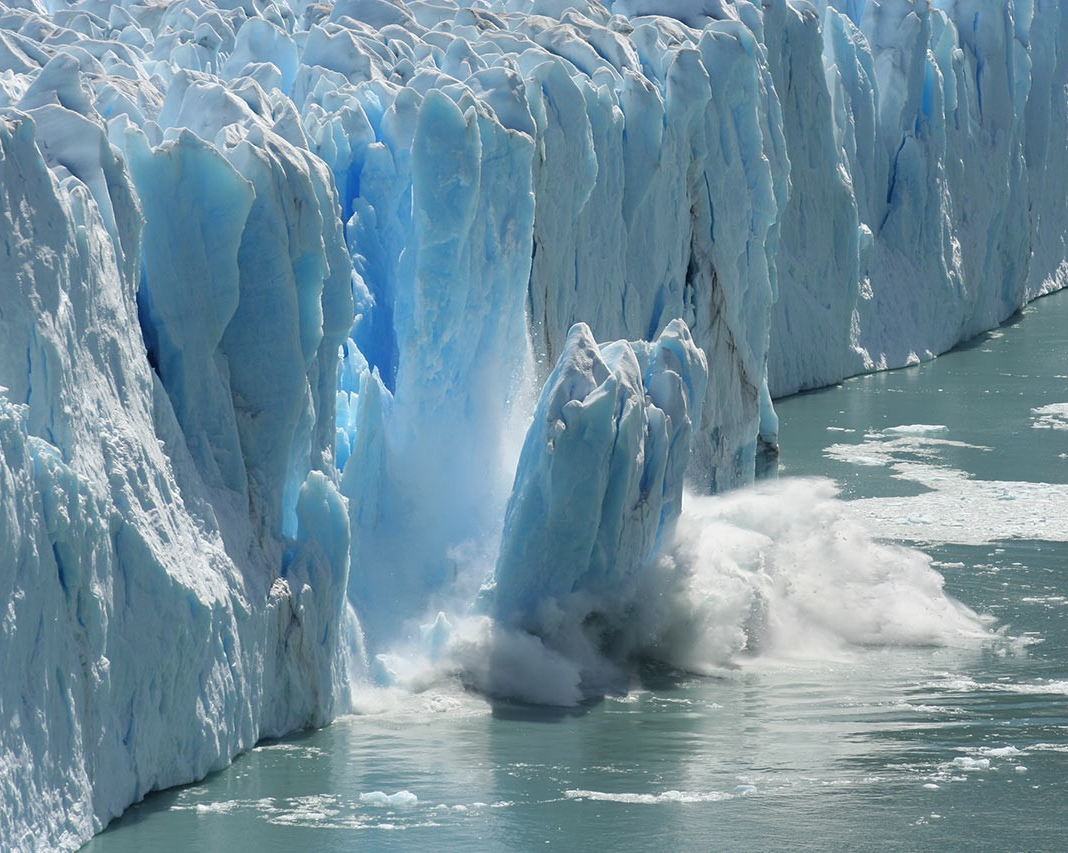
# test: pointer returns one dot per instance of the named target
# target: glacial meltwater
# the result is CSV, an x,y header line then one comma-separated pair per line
x,y
962,746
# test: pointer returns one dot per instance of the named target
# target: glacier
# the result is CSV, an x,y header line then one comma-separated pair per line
x,y
328,330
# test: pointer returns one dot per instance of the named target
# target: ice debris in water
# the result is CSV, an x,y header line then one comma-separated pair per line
x,y
381,798
965,762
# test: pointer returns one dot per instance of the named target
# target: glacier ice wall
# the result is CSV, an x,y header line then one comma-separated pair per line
x,y
282,281
924,206
176,548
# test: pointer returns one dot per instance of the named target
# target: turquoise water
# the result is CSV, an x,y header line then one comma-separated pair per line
x,y
959,748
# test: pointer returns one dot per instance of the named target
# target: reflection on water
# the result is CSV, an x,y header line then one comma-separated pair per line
x,y
828,756
873,749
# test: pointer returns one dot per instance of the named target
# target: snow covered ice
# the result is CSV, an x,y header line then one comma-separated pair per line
x,y
317,320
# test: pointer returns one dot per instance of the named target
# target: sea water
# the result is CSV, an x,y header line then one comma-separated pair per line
x,y
958,747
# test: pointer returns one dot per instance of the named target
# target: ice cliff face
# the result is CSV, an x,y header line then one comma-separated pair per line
x,y
280,282
156,619
925,206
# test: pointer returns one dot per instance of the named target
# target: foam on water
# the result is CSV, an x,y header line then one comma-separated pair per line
x,y
480,653
997,751
1054,416
964,684
802,578
408,702
966,763
322,811
652,799
780,571
956,507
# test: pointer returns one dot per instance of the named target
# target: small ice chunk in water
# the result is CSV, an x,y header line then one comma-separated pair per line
x,y
381,798
916,429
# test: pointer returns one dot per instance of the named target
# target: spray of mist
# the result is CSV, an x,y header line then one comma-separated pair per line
x,y
777,571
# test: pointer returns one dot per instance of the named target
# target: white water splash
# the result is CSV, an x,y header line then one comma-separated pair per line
x,y
780,571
